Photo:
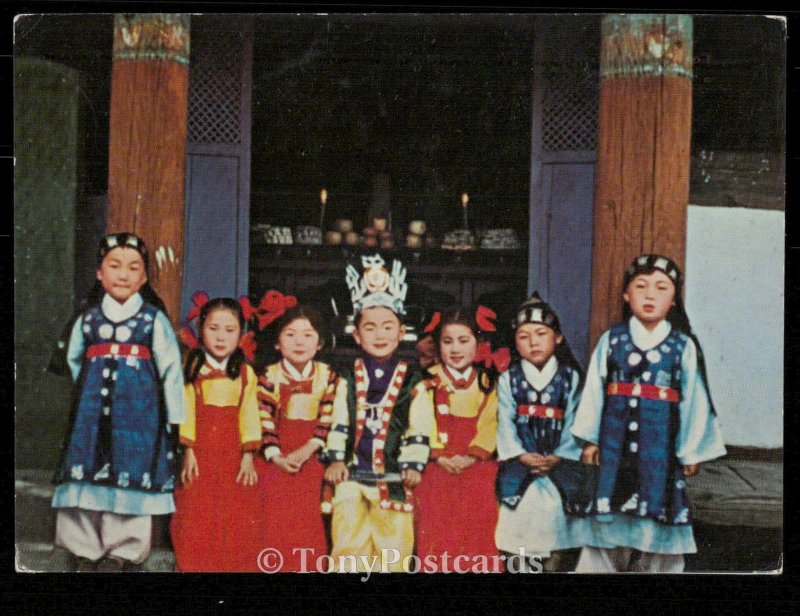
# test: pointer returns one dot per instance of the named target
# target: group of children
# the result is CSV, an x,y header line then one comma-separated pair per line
x,y
484,454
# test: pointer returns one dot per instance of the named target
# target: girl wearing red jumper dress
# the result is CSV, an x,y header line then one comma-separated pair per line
x,y
217,523
295,399
457,509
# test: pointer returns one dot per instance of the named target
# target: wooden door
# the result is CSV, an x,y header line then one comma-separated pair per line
x,y
218,158
563,153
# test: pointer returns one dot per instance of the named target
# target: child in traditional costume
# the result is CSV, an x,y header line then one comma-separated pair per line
x,y
218,521
541,483
456,505
117,469
382,419
296,403
646,418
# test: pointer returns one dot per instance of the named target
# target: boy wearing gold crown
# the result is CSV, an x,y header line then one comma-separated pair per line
x,y
378,444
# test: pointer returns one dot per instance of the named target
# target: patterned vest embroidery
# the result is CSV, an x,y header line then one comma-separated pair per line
x,y
540,414
640,475
384,410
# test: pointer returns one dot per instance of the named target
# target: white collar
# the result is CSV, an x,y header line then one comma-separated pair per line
x,y
460,375
294,373
540,378
645,339
219,365
117,312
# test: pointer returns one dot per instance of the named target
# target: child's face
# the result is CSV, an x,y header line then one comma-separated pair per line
x,y
457,346
379,332
650,297
122,273
221,333
536,342
298,342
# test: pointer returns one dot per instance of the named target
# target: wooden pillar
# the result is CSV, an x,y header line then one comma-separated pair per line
x,y
643,150
147,141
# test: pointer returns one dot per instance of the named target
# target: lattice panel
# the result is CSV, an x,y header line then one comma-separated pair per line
x,y
569,106
215,87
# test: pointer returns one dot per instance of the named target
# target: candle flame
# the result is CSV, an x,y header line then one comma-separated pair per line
x,y
464,199
323,196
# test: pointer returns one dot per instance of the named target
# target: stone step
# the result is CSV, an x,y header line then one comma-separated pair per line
x,y
33,557
738,493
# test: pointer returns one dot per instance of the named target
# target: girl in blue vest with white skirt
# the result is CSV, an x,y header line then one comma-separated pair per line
x,y
118,468
541,482
646,420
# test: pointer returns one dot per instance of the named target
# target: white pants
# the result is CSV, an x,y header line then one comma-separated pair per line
x,y
615,560
95,534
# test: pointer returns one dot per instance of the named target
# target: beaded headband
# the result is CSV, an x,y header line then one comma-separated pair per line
x,y
647,264
536,310
121,240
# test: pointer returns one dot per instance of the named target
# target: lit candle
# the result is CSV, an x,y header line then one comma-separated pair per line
x,y
323,197
464,202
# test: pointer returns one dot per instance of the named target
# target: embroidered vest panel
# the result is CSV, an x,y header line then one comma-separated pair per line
x,y
540,422
398,424
540,414
640,474
120,436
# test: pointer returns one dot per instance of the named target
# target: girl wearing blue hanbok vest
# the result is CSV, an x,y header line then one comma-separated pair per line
x,y
117,468
646,421
541,483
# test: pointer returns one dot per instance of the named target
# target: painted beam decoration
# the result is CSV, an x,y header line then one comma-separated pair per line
x,y
637,45
151,36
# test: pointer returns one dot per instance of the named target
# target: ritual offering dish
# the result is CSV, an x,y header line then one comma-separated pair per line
x,y
458,239
413,241
343,225
499,239
277,235
417,227
307,235
333,238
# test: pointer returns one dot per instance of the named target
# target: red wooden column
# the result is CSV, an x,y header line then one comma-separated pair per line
x,y
147,141
643,149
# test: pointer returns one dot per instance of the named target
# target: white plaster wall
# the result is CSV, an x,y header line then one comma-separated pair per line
x,y
734,298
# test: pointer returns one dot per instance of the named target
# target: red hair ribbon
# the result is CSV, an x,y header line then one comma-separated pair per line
x,y
188,338
484,317
248,345
436,317
500,359
272,306
248,310
199,299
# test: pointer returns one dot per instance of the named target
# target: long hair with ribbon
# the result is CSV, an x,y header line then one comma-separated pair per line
x,y
266,319
488,362
202,308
